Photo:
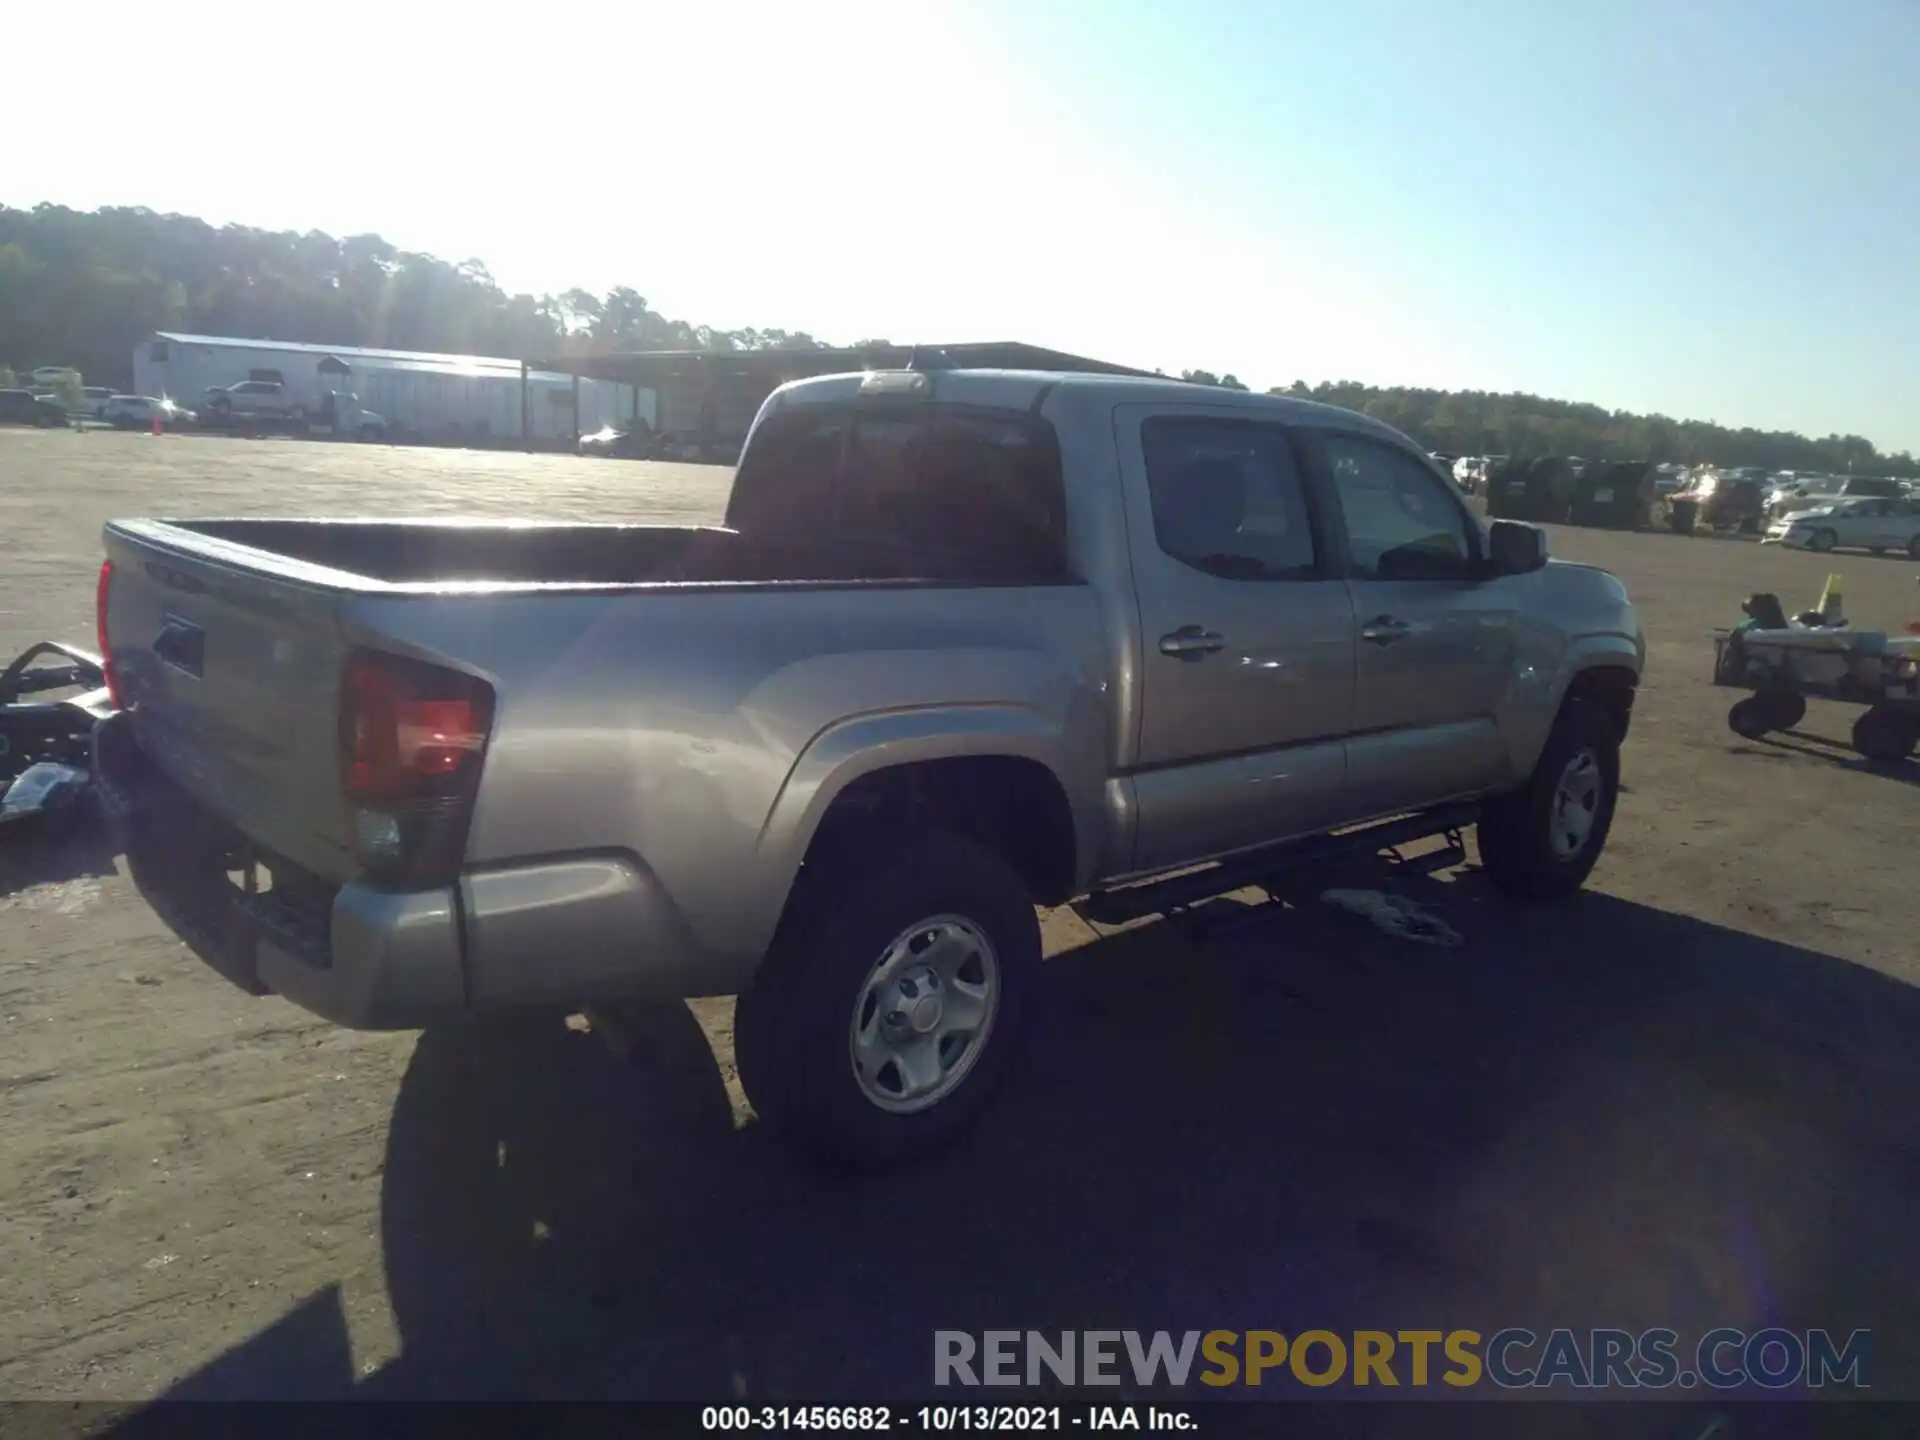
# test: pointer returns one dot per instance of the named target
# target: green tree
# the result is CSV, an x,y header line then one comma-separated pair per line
x,y
1207,377
69,390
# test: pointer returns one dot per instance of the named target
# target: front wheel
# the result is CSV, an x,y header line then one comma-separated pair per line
x,y
889,1003
1540,842
1822,541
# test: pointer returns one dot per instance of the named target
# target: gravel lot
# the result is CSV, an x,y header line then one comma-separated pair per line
x,y
1684,1099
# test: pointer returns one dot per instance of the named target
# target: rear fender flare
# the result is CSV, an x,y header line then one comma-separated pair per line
x,y
864,744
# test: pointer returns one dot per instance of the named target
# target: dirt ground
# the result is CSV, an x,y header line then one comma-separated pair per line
x,y
1683,1099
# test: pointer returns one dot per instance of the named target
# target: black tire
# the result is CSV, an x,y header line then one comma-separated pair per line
x,y
794,1026
1783,708
1913,548
1749,718
1516,831
1885,734
1823,541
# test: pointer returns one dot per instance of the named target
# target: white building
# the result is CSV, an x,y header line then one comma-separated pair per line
x,y
447,398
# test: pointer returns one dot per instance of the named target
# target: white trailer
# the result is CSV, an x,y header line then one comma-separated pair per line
x,y
446,398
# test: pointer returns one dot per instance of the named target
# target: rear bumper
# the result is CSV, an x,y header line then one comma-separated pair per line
x,y
576,930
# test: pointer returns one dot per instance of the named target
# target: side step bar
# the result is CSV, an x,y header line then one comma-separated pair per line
x,y
1270,862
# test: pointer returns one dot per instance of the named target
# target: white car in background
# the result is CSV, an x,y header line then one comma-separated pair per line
x,y
268,399
137,412
1871,523
1827,489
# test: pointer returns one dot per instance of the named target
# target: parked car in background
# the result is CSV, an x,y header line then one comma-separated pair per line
x,y
1722,501
1827,488
1872,524
618,442
138,412
96,398
255,399
23,407
677,445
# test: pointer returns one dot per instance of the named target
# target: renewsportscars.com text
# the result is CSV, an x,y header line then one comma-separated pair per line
x,y
1511,1358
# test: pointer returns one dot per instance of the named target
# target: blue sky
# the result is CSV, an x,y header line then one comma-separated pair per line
x,y
1706,208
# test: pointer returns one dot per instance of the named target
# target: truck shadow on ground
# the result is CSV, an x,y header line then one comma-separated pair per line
x,y
1589,1114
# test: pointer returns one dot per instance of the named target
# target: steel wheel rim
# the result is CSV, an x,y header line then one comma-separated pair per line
x,y
924,1013
1576,806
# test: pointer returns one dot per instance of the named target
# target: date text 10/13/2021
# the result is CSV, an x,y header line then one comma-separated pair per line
x,y
943,1419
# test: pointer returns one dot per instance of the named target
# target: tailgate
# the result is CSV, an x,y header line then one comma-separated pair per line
x,y
233,675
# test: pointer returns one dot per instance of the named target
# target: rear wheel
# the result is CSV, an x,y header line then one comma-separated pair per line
x,y
1540,842
1822,541
886,1009
1886,734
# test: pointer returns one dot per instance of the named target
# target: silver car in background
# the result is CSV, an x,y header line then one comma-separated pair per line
x,y
1873,524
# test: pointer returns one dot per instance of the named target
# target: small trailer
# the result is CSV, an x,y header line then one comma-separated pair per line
x,y
1784,666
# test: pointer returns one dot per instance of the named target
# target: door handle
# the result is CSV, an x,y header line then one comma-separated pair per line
x,y
1384,630
1190,642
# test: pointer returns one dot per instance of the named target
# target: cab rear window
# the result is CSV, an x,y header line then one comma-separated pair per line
x,y
973,493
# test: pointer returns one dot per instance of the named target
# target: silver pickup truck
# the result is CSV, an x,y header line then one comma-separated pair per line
x,y
969,642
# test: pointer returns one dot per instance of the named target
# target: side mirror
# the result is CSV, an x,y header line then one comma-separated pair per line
x,y
1515,548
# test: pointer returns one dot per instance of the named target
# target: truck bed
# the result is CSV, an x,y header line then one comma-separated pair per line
x,y
463,554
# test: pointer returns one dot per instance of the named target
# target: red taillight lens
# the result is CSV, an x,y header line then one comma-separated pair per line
x,y
412,737
405,726
101,591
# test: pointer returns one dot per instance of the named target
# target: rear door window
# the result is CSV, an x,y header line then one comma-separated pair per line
x,y
968,493
1228,499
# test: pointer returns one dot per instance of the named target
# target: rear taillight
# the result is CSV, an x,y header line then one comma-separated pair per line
x,y
412,738
101,591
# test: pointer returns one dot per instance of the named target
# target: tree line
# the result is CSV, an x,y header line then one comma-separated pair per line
x,y
1481,422
82,288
